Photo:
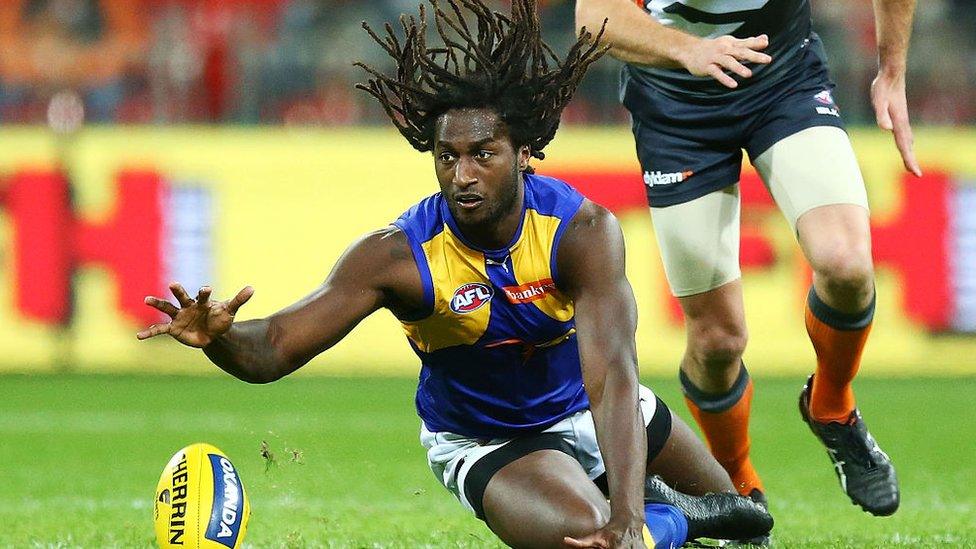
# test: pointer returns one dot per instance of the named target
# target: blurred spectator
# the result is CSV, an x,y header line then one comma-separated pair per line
x,y
290,61
90,46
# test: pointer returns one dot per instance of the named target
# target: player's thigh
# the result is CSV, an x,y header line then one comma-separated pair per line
x,y
699,241
811,169
814,177
541,497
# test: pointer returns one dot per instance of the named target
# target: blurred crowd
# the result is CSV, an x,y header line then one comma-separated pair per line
x,y
290,61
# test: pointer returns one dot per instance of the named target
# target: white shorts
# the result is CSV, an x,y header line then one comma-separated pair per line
x,y
699,240
452,456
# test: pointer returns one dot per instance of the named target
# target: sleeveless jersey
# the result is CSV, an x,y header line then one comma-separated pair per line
x,y
786,22
497,338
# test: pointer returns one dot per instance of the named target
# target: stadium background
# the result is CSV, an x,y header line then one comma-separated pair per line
x,y
223,143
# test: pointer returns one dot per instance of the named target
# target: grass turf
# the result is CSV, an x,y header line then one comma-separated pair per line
x,y
81,456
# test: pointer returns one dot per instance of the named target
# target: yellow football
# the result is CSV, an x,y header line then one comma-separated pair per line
x,y
200,501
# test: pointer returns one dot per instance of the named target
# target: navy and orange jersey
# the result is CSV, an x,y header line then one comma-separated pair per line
x,y
497,337
786,22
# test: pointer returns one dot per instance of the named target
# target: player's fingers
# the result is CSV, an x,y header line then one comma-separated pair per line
x,y
180,294
732,64
752,56
588,542
163,306
881,114
717,73
755,42
153,331
203,296
240,299
905,142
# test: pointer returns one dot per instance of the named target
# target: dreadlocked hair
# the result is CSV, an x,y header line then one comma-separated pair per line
x,y
499,62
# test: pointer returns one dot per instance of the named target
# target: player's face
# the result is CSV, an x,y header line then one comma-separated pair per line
x,y
479,171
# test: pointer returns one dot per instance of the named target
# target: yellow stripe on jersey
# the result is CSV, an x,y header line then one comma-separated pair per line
x,y
452,265
530,259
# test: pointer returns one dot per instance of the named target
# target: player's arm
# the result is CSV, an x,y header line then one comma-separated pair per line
x,y
636,37
590,263
374,272
893,22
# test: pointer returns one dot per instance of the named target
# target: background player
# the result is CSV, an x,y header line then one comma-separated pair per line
x,y
704,80
508,303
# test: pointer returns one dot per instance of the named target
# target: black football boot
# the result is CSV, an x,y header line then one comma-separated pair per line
x,y
864,470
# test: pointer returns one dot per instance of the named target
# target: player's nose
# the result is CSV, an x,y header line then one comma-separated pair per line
x,y
464,174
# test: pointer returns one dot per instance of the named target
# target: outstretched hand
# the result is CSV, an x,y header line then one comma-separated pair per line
x,y
891,110
196,322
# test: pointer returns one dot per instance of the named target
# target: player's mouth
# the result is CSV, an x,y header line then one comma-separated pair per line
x,y
468,201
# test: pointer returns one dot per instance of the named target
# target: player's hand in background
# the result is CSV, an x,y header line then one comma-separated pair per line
x,y
891,110
713,56
196,322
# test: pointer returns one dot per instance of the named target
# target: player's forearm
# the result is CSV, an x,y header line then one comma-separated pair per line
x,y
620,434
247,352
633,35
893,21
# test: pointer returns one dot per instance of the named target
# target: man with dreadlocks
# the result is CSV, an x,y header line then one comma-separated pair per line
x,y
510,287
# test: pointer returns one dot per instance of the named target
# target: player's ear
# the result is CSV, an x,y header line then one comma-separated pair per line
x,y
524,155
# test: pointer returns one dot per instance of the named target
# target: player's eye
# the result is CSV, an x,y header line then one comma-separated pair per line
x,y
484,155
445,157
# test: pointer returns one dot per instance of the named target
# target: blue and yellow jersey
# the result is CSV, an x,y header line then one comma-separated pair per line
x,y
497,338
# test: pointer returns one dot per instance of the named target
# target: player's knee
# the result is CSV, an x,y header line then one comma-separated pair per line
x,y
718,348
586,518
845,272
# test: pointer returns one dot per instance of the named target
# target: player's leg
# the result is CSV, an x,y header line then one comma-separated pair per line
x,y
684,462
826,204
699,242
532,490
836,239
545,496
539,498
676,458
691,157
674,452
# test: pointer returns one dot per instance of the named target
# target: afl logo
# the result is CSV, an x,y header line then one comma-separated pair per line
x,y
470,297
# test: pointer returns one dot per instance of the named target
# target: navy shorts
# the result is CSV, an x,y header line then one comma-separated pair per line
x,y
689,148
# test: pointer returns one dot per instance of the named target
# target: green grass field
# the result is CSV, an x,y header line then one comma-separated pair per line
x,y
81,456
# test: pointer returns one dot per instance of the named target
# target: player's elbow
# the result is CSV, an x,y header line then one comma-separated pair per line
x,y
261,376
588,16
618,380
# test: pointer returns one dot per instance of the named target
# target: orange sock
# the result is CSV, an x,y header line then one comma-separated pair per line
x,y
838,340
724,419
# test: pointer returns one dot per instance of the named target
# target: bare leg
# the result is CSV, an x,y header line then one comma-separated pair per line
x,y
716,337
837,242
717,387
687,466
539,498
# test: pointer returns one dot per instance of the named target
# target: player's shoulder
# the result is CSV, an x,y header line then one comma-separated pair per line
x,y
551,196
383,260
592,221
591,253
380,249
592,229
422,220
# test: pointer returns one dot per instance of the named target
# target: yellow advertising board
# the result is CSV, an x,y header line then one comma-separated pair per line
x,y
133,208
